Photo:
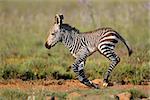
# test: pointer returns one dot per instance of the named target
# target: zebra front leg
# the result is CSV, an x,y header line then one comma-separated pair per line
x,y
78,68
114,58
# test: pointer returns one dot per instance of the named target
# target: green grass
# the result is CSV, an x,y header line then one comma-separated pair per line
x,y
106,94
137,94
15,94
23,30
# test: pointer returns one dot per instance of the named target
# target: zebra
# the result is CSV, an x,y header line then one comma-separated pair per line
x,y
83,44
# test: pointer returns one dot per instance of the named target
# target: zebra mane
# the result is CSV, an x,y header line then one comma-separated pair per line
x,y
70,28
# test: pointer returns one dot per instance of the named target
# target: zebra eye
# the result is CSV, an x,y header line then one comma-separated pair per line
x,y
53,33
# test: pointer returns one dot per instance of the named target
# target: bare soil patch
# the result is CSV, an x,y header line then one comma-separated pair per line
x,y
63,85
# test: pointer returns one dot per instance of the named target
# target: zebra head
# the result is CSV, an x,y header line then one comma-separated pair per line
x,y
55,33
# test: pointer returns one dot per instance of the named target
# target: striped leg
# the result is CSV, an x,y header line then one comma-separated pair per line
x,y
114,61
114,58
78,69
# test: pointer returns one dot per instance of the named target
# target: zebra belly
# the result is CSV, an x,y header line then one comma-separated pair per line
x,y
92,49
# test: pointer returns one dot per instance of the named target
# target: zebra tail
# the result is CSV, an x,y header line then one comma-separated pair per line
x,y
127,45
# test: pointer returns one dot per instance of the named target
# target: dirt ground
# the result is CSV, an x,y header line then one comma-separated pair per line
x,y
63,85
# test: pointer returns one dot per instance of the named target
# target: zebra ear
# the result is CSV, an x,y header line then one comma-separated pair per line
x,y
59,19
56,19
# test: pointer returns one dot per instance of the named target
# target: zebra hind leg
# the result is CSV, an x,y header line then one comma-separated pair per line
x,y
81,75
115,59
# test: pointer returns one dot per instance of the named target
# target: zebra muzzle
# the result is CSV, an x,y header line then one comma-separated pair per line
x,y
47,46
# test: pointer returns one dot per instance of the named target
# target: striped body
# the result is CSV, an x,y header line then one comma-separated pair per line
x,y
82,45
93,41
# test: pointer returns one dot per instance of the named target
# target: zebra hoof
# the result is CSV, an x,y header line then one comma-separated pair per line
x,y
105,84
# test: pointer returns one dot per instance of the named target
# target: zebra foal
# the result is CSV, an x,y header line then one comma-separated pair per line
x,y
82,45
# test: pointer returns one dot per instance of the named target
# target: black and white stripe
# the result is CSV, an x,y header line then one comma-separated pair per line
x,y
82,45
78,45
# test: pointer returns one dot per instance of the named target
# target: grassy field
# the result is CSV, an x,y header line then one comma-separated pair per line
x,y
12,94
24,26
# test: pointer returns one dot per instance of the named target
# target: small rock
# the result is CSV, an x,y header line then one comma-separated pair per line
x,y
124,96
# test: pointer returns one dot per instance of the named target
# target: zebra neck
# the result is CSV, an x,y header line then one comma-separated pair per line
x,y
68,40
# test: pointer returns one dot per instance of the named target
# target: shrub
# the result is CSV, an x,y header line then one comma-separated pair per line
x,y
9,71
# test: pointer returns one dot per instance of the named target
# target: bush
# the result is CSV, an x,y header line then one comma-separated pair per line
x,y
9,72
130,74
58,75
27,75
